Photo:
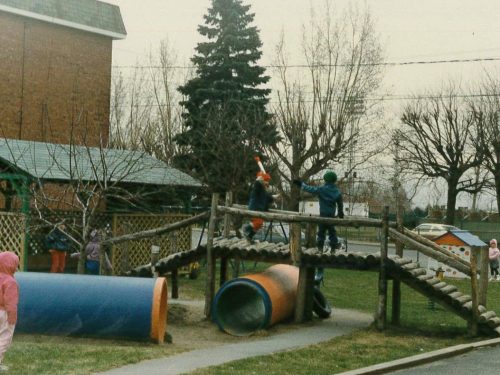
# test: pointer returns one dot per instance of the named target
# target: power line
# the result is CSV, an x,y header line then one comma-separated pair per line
x,y
300,66
380,98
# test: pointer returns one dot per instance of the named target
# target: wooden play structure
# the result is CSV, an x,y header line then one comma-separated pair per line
x,y
391,268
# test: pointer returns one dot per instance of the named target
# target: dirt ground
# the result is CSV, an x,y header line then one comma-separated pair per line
x,y
189,329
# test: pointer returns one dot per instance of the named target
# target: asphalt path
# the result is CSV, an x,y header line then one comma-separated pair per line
x,y
342,322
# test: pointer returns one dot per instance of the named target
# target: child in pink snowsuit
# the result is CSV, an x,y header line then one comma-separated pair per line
x,y
494,255
9,297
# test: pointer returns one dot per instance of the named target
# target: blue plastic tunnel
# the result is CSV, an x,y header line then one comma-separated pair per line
x,y
98,306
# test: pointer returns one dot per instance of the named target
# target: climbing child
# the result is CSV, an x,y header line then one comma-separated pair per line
x,y
260,200
9,297
494,254
330,205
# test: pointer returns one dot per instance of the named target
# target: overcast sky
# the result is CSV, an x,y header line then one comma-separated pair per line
x,y
410,31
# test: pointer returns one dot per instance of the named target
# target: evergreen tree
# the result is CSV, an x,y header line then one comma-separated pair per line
x,y
225,117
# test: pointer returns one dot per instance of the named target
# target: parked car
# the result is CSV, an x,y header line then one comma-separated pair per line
x,y
433,230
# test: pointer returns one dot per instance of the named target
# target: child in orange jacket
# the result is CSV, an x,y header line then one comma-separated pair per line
x,y
9,298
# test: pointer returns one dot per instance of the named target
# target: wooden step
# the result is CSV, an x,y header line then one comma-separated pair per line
x,y
449,289
418,272
487,316
425,277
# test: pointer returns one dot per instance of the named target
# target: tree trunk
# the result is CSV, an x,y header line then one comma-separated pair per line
x,y
497,190
451,203
294,199
81,261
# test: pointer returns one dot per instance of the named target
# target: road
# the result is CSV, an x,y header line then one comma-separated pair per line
x,y
483,361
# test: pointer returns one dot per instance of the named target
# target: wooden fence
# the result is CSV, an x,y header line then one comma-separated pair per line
x,y
13,234
124,256
130,254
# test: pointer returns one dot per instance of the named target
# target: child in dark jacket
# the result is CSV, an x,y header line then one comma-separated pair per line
x,y
58,244
260,200
330,205
9,298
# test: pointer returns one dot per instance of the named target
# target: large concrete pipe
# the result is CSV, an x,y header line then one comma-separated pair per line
x,y
98,306
249,303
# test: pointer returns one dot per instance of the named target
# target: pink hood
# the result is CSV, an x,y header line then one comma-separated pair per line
x,y
8,262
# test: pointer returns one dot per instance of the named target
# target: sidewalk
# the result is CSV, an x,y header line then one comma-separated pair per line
x,y
341,323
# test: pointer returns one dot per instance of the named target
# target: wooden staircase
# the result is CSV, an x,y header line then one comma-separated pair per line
x,y
447,295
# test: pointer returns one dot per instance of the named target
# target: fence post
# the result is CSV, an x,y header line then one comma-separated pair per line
x,y
483,276
474,293
396,284
155,256
227,230
210,283
382,280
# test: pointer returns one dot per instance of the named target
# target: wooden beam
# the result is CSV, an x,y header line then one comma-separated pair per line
x,y
430,251
484,262
157,231
473,329
434,246
210,282
289,217
382,280
396,284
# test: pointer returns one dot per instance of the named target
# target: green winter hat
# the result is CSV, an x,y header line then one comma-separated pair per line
x,y
330,176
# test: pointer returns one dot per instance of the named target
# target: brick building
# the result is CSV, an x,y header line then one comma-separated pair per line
x,y
55,69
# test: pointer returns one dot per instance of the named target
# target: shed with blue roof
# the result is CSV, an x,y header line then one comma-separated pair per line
x,y
460,243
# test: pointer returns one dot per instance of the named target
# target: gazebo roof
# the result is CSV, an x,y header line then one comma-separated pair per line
x,y
49,161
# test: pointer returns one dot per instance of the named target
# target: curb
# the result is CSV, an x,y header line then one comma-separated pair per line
x,y
420,359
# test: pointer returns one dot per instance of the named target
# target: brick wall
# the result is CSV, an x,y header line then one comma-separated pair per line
x,y
54,82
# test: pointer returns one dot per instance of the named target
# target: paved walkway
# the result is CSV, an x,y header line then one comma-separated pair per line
x,y
341,323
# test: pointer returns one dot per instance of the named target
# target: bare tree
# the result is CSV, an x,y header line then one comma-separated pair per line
x,y
440,137
326,113
487,111
145,113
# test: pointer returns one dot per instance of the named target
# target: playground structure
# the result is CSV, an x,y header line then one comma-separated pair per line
x,y
106,307
394,268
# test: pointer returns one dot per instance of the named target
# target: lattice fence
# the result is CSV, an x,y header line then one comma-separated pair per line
x,y
12,234
136,253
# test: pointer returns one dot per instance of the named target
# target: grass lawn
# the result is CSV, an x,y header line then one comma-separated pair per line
x,y
36,354
421,330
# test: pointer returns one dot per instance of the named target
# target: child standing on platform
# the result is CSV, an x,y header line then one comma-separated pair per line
x,y
260,200
9,298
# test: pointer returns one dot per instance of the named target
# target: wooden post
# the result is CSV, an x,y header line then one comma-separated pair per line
x,y
155,256
396,284
210,282
309,274
227,231
474,293
382,280
295,251
483,276
175,284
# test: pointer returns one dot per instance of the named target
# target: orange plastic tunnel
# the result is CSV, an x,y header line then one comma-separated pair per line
x,y
252,302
